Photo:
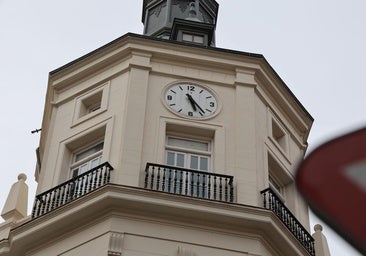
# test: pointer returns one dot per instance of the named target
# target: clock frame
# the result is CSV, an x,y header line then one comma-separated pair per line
x,y
191,100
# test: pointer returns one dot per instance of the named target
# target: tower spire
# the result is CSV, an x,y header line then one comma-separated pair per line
x,y
171,19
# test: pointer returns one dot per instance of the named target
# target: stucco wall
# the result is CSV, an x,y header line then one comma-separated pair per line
x,y
133,120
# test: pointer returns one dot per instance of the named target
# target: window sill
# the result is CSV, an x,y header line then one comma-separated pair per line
x,y
88,117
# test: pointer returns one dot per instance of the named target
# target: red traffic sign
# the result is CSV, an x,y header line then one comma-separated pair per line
x,y
332,179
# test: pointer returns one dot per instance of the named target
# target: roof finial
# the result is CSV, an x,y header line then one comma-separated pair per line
x,y
320,241
16,204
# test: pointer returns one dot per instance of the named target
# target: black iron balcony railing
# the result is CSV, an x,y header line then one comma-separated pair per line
x,y
188,182
72,189
272,202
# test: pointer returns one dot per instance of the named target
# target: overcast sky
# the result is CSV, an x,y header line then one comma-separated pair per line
x,y
317,47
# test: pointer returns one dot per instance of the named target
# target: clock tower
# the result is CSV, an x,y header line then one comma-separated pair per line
x,y
163,144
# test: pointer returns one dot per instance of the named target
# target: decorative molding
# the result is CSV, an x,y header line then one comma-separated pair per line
x,y
115,244
205,16
157,10
182,5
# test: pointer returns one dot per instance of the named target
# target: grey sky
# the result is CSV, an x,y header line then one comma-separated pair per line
x,y
317,48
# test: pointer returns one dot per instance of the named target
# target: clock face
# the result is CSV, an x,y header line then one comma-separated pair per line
x,y
190,100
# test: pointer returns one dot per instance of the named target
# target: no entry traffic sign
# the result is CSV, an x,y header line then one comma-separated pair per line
x,y
333,181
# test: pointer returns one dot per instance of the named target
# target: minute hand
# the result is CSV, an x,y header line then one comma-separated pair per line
x,y
195,103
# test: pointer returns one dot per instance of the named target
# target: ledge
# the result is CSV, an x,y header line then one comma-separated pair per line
x,y
146,204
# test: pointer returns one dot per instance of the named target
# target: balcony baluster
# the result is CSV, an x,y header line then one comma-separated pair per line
x,y
272,202
191,183
71,190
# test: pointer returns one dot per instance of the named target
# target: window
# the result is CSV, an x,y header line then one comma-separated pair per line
x,y
279,135
186,153
199,39
187,160
190,154
91,103
278,177
86,159
275,185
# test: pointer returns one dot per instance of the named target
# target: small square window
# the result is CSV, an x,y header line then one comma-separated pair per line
x,y
91,104
279,135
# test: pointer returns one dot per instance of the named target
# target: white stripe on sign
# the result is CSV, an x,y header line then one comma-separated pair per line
x,y
357,174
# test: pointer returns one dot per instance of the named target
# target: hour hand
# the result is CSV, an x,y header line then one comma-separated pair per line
x,y
191,100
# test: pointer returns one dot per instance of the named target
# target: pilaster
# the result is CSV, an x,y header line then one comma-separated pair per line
x,y
134,119
245,175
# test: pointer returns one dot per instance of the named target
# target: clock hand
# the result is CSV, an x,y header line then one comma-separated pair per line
x,y
198,106
195,103
191,100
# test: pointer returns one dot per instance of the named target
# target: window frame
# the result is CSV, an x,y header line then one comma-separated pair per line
x,y
279,178
75,165
90,104
189,151
193,35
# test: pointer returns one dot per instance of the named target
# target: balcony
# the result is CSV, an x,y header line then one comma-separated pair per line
x,y
188,182
172,180
72,189
272,202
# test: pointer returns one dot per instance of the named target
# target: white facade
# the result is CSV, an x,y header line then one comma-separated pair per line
x,y
112,106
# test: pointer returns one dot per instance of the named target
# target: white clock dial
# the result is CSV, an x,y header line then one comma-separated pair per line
x,y
190,100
